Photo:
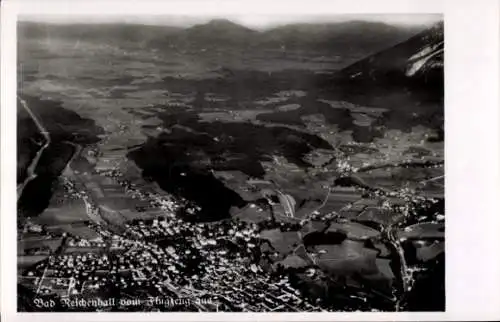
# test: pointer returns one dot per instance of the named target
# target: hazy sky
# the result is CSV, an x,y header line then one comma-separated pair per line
x,y
252,21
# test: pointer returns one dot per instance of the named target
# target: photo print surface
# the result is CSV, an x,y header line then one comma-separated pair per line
x,y
235,163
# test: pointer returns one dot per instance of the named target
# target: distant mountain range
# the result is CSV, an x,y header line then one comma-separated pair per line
x,y
344,36
407,79
418,60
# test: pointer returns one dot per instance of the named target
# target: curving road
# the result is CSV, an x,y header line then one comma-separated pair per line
x,y
31,174
392,238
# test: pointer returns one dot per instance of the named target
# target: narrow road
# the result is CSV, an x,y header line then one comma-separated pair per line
x,y
411,163
31,174
92,210
78,149
41,278
323,203
405,276
306,217
289,208
432,179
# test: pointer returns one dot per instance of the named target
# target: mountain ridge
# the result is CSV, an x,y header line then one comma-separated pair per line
x,y
397,58
223,32
407,79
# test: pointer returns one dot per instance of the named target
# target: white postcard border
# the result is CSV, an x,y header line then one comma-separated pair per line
x,y
472,115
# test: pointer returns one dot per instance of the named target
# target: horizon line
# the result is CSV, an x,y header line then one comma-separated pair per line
x,y
255,22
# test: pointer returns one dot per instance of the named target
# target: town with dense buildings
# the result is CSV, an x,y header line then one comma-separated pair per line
x,y
161,261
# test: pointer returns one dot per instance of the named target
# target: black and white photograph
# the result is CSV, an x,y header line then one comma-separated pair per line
x,y
232,163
